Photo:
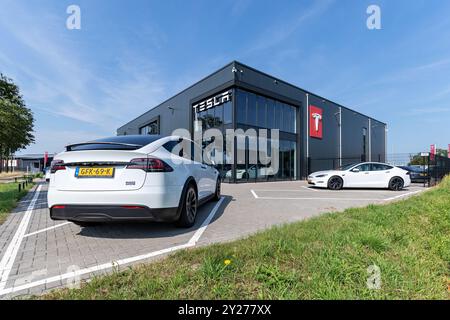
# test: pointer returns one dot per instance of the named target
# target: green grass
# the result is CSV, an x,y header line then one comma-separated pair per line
x,y
322,258
9,195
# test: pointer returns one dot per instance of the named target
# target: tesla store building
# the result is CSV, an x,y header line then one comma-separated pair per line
x,y
314,133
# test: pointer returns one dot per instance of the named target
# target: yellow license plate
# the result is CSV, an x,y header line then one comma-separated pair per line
x,y
93,172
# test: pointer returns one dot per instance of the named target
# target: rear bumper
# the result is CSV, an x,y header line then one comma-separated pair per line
x,y
156,203
147,196
107,213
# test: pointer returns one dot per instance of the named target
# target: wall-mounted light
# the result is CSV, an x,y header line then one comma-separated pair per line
x,y
337,117
172,108
235,70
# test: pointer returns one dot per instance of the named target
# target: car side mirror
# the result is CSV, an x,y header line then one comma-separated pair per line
x,y
355,170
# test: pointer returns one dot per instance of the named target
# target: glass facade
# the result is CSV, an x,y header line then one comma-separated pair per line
x,y
219,117
258,112
255,112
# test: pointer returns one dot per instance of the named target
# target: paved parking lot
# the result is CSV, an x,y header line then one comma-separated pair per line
x,y
38,254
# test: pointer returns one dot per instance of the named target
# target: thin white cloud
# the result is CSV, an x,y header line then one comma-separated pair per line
x,y
427,111
277,33
63,81
239,7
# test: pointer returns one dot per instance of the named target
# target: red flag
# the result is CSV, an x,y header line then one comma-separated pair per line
x,y
45,159
448,151
432,151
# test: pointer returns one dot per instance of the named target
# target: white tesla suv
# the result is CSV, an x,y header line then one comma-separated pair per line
x,y
130,178
362,175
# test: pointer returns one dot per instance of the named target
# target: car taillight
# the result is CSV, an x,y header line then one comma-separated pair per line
x,y
57,165
149,165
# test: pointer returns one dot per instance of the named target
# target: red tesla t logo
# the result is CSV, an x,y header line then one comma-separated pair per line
x,y
315,122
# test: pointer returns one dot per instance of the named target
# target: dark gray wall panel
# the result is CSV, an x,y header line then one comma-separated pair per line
x,y
180,115
324,153
378,141
352,135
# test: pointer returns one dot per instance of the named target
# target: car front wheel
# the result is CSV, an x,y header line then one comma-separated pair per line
x,y
396,184
335,183
189,209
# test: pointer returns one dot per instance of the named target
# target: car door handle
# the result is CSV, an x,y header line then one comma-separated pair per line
x,y
366,172
203,166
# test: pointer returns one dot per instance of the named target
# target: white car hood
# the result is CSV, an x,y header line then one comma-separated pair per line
x,y
329,172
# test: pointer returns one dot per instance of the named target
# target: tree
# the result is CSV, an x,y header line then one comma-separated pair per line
x,y
419,160
16,121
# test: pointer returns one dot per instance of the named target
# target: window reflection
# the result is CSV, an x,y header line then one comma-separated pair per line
x,y
255,111
262,112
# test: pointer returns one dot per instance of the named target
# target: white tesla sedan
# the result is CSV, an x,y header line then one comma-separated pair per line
x,y
362,175
129,178
252,172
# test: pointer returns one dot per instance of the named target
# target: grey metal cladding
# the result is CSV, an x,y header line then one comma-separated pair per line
x,y
176,112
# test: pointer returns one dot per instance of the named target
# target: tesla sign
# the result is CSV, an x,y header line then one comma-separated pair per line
x,y
213,102
315,122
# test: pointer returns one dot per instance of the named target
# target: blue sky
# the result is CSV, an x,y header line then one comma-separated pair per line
x,y
131,55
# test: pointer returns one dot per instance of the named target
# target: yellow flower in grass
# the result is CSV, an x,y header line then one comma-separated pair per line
x,y
227,262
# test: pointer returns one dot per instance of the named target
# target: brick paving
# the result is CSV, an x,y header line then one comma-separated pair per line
x,y
62,249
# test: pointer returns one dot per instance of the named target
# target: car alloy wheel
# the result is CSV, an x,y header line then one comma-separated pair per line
x,y
217,193
191,204
396,184
335,183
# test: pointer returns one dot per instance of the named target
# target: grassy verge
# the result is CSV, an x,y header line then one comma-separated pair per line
x,y
9,195
322,258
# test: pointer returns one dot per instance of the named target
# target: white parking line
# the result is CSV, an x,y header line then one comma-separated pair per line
x,y
316,198
330,198
191,243
11,252
404,195
346,191
46,229
254,194
309,189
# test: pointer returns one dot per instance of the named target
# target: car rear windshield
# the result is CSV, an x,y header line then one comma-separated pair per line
x,y
115,143
416,169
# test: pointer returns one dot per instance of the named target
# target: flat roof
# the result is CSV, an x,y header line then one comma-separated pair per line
x,y
234,62
306,91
